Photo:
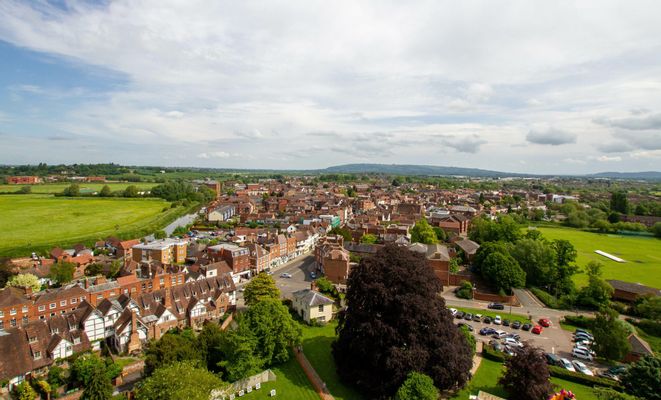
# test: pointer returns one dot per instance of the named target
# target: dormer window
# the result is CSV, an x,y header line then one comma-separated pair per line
x,y
37,355
25,309
54,331
76,340
146,306
32,339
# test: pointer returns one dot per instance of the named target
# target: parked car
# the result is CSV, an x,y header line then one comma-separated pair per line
x,y
496,306
537,330
566,364
580,353
459,314
589,350
453,311
579,330
514,336
477,317
313,275
285,275
468,316
487,331
487,320
469,327
582,368
545,322
497,320
509,350
583,342
583,336
499,334
511,342
516,325
506,322
619,369
608,375
552,359
526,327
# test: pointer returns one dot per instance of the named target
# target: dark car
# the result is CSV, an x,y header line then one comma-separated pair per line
x,y
506,322
552,359
487,320
459,314
496,306
516,325
526,327
487,331
476,318
470,328
468,316
483,331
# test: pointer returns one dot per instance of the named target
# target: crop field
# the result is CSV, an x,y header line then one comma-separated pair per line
x,y
84,187
642,254
39,222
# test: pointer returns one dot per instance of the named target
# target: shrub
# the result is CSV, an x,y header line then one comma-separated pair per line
x,y
579,320
493,355
465,290
545,297
649,326
578,377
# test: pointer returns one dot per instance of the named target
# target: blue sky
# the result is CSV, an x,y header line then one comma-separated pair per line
x,y
521,86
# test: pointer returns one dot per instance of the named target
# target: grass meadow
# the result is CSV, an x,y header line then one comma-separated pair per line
x,y
642,254
51,188
39,222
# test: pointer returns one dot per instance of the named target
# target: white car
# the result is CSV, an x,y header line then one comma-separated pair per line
x,y
580,353
453,311
512,342
582,368
497,320
585,343
499,335
585,348
285,275
583,336
566,364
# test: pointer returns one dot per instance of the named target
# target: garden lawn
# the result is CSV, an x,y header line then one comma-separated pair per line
x,y
582,392
40,222
290,383
50,188
485,379
504,314
317,348
642,253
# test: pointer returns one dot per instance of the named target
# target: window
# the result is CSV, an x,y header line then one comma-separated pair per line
x,y
25,320
82,298
181,279
42,308
126,291
112,294
2,314
32,339
2,324
162,281
51,306
37,355
52,314
25,309
12,311
63,303
54,331
74,300
42,317
321,308
12,322
99,297
76,340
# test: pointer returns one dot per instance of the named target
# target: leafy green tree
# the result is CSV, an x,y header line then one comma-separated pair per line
x,y
527,375
422,232
598,292
565,252
62,272
275,329
131,191
239,349
98,386
465,290
56,376
643,378
648,307
610,335
24,391
42,387
105,191
656,230
619,202
172,347
180,380
209,343
25,280
504,229
441,236
93,269
538,259
344,232
160,234
454,265
417,386
485,250
368,238
260,288
85,366
72,191
25,190
6,271
503,272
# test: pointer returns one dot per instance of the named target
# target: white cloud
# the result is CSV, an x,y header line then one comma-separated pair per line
x,y
214,154
608,158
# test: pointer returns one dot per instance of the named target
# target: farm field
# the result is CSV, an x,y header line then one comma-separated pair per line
x,y
84,187
642,253
39,222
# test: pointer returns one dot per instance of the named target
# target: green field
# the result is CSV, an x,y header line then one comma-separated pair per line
x,y
317,348
642,253
84,187
290,383
40,222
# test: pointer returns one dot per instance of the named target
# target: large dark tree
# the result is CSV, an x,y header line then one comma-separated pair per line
x,y
527,375
396,323
643,378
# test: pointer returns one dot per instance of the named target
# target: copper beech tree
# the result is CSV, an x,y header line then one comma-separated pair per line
x,y
396,323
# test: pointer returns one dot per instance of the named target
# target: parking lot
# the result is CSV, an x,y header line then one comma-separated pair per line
x,y
552,340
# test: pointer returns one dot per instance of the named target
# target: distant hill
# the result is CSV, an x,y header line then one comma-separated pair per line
x,y
650,175
402,169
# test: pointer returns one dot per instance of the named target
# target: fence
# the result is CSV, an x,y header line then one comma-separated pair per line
x,y
243,385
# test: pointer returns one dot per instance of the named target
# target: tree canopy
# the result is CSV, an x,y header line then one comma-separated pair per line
x,y
180,380
25,280
527,375
422,232
610,335
417,386
172,347
62,272
259,288
643,378
396,323
503,272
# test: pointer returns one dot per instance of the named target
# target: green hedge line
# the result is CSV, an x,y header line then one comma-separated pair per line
x,y
493,355
583,379
546,298
579,320
650,327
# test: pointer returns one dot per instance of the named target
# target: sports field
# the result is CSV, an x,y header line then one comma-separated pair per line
x,y
39,222
642,254
84,187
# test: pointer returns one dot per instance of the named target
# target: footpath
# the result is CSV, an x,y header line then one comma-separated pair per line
x,y
314,378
